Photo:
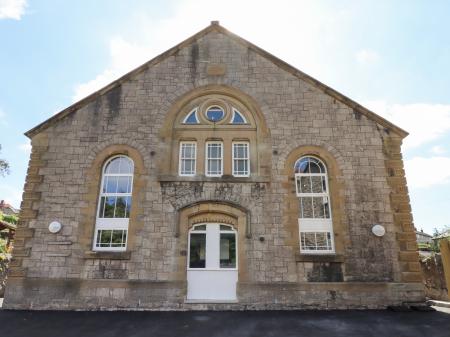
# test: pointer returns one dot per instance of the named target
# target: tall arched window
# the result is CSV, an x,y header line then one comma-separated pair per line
x,y
315,224
111,227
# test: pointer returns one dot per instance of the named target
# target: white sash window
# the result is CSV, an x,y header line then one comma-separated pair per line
x,y
188,157
214,159
241,159
315,224
111,227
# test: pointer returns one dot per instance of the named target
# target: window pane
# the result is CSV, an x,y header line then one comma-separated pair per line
x,y
305,184
318,185
316,241
109,207
111,238
302,166
215,114
314,168
213,151
125,166
121,205
318,206
240,166
128,207
214,166
113,166
308,240
188,166
197,250
187,151
123,185
102,207
192,118
105,237
237,118
200,228
99,237
321,241
239,151
326,207
110,184
227,250
226,228
306,207
118,238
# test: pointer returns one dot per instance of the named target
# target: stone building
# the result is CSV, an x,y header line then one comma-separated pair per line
x,y
215,176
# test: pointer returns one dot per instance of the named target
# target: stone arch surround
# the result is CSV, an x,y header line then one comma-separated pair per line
x,y
214,212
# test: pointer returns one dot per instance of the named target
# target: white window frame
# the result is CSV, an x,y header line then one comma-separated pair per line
x,y
242,159
102,223
314,225
181,158
207,159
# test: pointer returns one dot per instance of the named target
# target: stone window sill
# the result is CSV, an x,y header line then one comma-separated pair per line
x,y
224,178
319,258
107,255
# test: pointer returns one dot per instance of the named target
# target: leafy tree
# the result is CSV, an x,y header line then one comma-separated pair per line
x,y
4,166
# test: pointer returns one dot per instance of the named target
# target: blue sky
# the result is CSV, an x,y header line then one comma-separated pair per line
x,y
391,56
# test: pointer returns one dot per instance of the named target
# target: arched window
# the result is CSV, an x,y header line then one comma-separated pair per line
x,y
111,227
217,136
315,224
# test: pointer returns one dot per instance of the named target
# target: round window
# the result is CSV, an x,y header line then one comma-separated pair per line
x,y
215,113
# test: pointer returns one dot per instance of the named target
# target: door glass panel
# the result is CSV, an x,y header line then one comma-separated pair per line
x,y
197,250
226,228
200,228
227,250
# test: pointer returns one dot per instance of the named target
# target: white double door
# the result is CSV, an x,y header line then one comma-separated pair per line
x,y
212,271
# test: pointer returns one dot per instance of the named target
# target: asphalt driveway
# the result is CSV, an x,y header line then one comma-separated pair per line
x,y
221,324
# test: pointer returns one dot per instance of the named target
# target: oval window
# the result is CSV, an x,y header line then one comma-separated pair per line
x,y
215,113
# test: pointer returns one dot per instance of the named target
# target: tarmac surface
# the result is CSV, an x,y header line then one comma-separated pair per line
x,y
380,323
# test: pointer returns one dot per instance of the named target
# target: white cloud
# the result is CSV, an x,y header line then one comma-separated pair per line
x,y
367,56
26,147
12,9
438,150
11,195
424,122
425,172
303,23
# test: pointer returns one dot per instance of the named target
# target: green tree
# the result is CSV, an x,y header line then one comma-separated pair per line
x,y
4,166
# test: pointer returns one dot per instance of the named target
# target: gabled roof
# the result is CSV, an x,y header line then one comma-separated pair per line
x,y
214,26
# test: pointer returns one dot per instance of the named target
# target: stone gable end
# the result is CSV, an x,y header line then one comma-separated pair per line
x,y
137,117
